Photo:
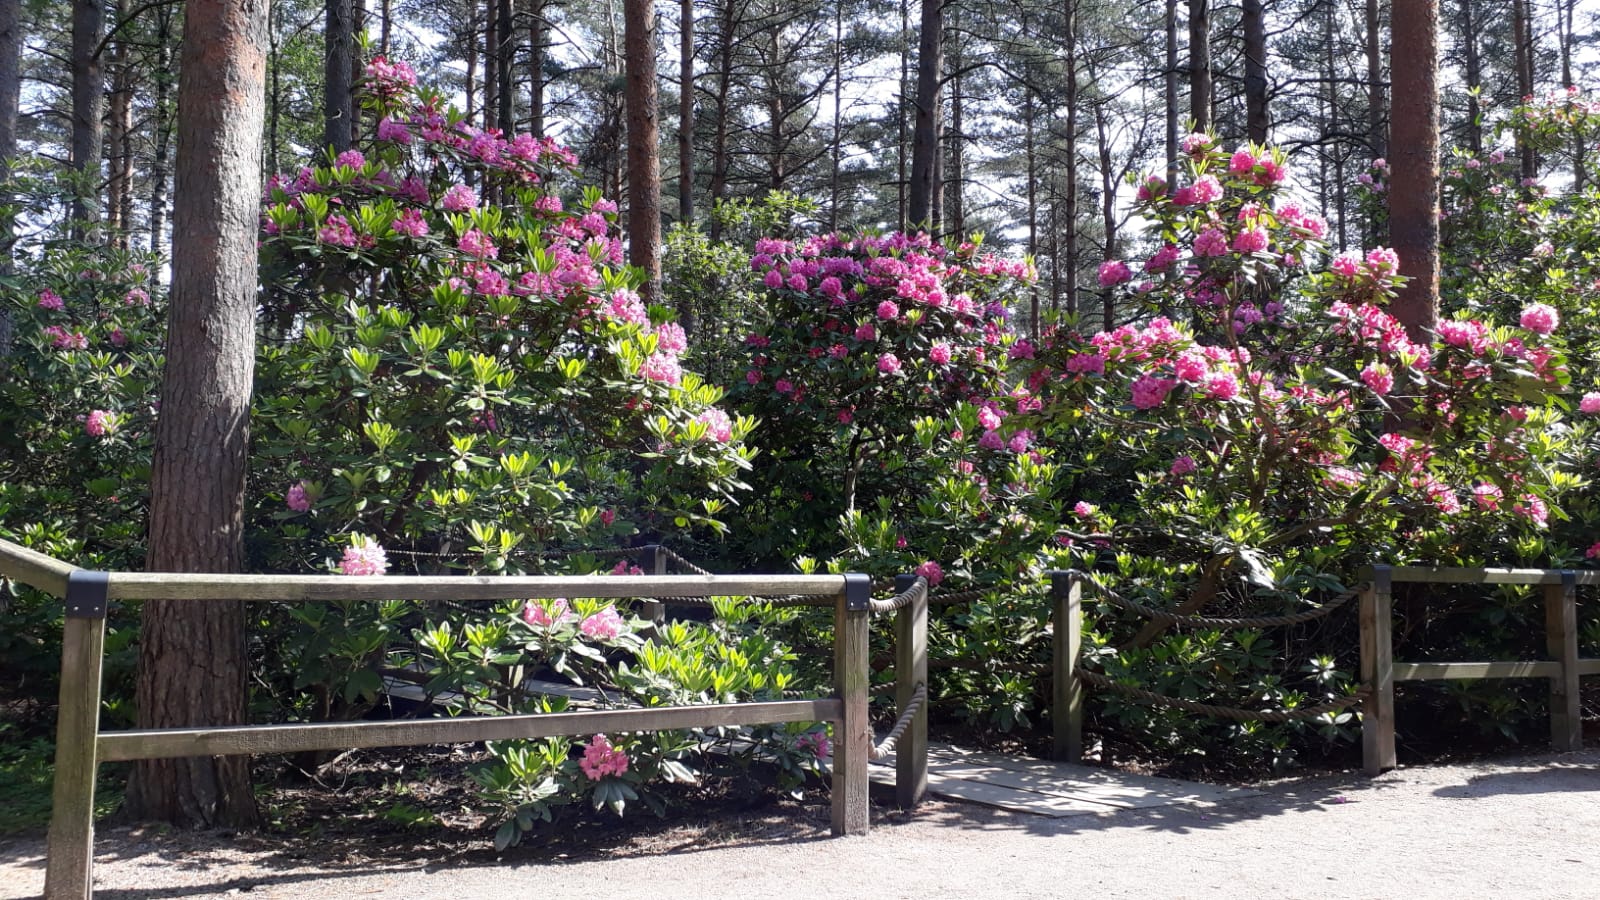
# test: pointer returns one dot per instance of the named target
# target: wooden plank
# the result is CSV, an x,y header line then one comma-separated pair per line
x,y
910,670
1561,640
1066,692
69,870
267,739
1458,670
1377,673
1589,667
852,733
1442,575
172,585
34,569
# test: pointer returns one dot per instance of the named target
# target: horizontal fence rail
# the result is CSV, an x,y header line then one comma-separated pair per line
x,y
81,745
1380,671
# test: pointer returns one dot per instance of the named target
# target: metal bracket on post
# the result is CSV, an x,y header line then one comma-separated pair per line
x,y
650,559
857,592
86,594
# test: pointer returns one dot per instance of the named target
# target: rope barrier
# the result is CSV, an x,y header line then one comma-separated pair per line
x,y
1168,618
886,746
1232,713
917,591
676,557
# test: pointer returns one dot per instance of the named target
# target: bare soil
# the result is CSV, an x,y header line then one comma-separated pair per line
x,y
1510,827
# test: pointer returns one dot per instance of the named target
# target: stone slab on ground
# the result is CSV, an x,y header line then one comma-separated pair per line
x,y
1053,789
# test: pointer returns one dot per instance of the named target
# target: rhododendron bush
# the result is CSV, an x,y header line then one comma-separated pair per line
x,y
1287,430
458,341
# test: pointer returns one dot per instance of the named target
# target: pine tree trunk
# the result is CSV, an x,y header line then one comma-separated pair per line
x,y
902,147
1257,120
1522,37
119,149
719,139
953,185
88,99
470,39
686,111
1108,202
1200,63
644,157
1469,42
836,143
386,11
162,125
1414,163
1030,156
192,661
925,133
506,51
1377,132
1069,266
10,100
1171,81
339,49
491,66
537,31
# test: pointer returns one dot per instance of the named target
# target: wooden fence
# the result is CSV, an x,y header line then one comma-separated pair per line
x,y
1379,671
81,746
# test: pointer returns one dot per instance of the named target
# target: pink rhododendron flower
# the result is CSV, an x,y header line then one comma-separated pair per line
x,y
117,337
1020,442
1590,404
1222,386
600,759
603,625
1114,272
1150,391
136,297
939,354
671,339
1540,318
1243,162
625,306
411,224
1183,465
719,427
1488,497
662,367
459,198
390,130
888,310
364,557
623,567
476,243
1211,242
1084,510
1340,476
815,743
1163,259
49,299
1593,551
888,364
546,613
297,499
1206,189
1196,142
1251,240
865,332
100,423
1532,508
931,571
1378,377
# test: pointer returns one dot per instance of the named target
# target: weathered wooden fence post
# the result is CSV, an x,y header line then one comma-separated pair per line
x,y
1377,672
1066,692
69,871
1561,634
852,736
910,670
655,563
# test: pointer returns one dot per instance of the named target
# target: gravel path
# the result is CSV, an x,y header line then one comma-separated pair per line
x,y
1525,827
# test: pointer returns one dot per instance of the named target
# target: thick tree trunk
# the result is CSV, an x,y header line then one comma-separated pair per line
x,y
337,99
1030,156
925,133
1377,130
836,143
1108,203
1200,63
88,99
1414,163
644,156
192,661
1171,81
470,39
902,151
119,149
686,111
955,182
1580,162
1257,120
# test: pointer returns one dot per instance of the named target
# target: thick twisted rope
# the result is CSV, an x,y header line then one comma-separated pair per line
x,y
1163,617
1232,713
886,746
677,557
917,591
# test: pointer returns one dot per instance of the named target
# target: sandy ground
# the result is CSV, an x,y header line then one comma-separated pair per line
x,y
1524,827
